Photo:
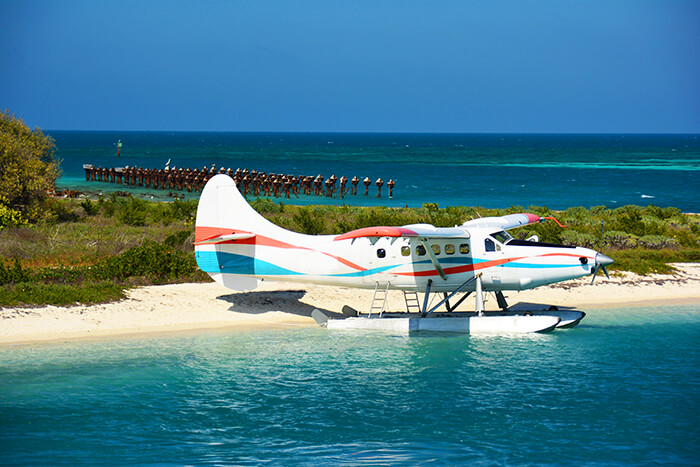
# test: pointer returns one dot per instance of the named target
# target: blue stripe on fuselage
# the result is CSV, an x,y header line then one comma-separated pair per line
x,y
217,261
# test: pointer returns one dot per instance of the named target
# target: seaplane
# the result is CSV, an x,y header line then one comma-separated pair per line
x,y
238,248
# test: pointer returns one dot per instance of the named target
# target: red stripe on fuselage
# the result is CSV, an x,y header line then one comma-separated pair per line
x,y
460,269
207,233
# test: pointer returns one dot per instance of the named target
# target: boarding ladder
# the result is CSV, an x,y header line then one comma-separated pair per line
x,y
411,299
379,299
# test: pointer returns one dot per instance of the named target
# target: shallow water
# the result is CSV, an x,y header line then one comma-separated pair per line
x,y
491,170
621,388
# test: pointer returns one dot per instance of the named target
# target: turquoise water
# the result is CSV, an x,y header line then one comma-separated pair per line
x,y
623,388
497,171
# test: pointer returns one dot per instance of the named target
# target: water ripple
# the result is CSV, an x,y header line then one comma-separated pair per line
x,y
621,388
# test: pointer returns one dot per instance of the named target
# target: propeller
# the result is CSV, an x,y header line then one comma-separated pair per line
x,y
601,261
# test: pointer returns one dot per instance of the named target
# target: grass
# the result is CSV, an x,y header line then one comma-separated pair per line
x,y
25,294
91,251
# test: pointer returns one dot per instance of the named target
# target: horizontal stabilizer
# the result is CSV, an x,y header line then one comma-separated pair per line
x,y
224,238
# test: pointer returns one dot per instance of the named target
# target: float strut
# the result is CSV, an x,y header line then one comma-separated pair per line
x,y
479,308
502,303
459,302
427,295
459,289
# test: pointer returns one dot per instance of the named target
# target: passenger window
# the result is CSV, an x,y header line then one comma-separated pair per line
x,y
381,253
449,249
436,249
489,245
464,249
405,250
420,250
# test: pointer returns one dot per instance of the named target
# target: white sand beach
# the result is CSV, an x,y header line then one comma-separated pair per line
x,y
279,305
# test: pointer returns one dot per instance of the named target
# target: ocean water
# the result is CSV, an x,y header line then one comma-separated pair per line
x,y
491,170
623,388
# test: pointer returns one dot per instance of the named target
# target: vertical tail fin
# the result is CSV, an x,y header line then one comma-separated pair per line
x,y
224,215
223,210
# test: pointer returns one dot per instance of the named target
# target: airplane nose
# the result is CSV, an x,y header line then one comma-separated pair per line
x,y
603,260
600,262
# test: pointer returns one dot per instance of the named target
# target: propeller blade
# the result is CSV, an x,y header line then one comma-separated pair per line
x,y
600,262
595,273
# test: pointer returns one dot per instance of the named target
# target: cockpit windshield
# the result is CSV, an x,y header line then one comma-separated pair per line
x,y
502,236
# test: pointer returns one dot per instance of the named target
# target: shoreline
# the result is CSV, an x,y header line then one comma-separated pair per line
x,y
178,309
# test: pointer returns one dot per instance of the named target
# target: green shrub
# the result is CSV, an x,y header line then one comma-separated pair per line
x,y
629,219
646,261
617,239
91,208
109,205
267,206
14,274
657,242
183,210
181,240
59,275
549,232
309,221
154,261
133,212
576,238
685,238
28,166
661,213
10,217
370,217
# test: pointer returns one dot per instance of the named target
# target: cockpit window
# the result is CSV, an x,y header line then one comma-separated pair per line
x,y
502,236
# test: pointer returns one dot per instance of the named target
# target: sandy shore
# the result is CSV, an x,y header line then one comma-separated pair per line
x,y
197,307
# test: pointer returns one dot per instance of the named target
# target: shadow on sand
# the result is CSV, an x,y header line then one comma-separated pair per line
x,y
286,301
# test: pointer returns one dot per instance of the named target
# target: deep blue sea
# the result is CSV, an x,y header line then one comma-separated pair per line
x,y
623,388
488,170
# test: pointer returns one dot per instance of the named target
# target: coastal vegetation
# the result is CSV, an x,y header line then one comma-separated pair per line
x,y
91,250
28,171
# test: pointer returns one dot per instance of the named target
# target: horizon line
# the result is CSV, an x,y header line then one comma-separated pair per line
x,y
343,132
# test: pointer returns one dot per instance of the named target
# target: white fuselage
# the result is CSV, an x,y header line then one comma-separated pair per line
x,y
402,262
237,247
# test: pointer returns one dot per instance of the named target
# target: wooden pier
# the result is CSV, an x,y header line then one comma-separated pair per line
x,y
248,181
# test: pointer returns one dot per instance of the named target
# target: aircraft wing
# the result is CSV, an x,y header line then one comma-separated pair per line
x,y
413,230
509,221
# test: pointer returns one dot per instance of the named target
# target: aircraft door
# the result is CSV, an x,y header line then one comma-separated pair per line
x,y
382,253
493,264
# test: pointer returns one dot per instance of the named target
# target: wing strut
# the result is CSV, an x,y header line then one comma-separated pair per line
x,y
433,258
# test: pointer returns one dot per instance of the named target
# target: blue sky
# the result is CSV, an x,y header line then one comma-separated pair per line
x,y
355,66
